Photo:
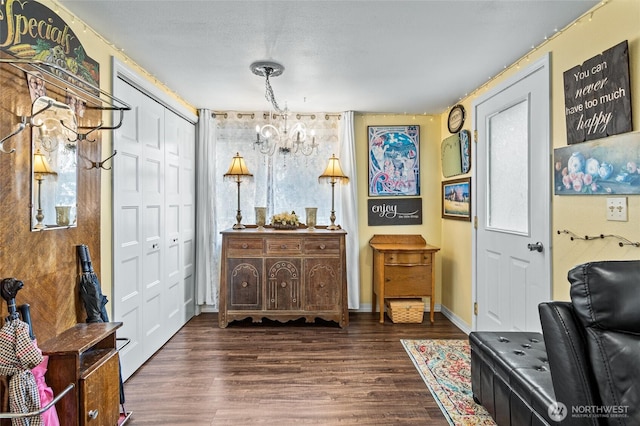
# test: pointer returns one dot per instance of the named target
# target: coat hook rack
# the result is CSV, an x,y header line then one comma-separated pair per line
x,y
621,240
24,122
62,79
83,136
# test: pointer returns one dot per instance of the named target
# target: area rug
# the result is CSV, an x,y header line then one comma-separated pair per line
x,y
445,367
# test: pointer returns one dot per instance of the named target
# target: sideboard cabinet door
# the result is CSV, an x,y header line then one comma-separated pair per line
x,y
245,283
322,278
283,284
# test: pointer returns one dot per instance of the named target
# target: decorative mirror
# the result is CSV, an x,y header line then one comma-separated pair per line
x,y
54,165
456,154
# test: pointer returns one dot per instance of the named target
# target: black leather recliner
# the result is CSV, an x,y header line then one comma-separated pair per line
x,y
593,345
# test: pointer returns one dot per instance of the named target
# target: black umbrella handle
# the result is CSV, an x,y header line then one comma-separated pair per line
x,y
25,313
85,258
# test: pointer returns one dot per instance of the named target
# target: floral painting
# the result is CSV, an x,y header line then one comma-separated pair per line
x,y
394,160
604,166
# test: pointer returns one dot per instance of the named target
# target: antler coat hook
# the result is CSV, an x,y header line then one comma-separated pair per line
x,y
100,165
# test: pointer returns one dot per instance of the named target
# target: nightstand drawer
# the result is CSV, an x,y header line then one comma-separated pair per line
x,y
244,246
407,259
284,245
407,281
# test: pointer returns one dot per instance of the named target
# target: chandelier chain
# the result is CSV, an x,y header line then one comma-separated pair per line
x,y
269,95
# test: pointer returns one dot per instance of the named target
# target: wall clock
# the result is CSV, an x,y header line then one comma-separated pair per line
x,y
456,119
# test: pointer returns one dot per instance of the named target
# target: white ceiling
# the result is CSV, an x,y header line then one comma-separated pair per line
x,y
371,56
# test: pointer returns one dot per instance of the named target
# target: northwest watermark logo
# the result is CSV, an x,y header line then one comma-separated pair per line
x,y
557,411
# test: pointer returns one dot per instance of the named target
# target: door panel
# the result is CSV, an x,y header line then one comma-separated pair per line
x,y
127,232
512,202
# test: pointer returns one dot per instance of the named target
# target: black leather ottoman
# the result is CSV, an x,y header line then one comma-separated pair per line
x,y
510,377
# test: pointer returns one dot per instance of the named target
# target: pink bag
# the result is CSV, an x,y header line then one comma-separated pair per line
x,y
49,417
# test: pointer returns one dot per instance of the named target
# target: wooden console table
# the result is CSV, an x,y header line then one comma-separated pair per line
x,y
86,356
283,275
403,267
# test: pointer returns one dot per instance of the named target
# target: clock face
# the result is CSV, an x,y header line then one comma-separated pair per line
x,y
456,119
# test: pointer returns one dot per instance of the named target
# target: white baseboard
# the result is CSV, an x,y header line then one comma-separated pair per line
x,y
456,320
366,307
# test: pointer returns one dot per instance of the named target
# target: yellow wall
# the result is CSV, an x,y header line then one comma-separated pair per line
x,y
430,139
609,24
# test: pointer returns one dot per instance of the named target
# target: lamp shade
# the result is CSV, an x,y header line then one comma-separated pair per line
x,y
41,164
237,168
333,172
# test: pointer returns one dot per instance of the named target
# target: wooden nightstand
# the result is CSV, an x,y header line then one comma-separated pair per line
x,y
86,356
403,267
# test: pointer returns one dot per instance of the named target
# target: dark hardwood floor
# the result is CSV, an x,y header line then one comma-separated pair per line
x,y
284,374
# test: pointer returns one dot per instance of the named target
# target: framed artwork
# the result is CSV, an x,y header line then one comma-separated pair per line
x,y
456,199
608,166
394,160
456,154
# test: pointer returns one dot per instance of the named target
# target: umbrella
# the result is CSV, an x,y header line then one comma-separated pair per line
x,y
90,289
18,355
92,297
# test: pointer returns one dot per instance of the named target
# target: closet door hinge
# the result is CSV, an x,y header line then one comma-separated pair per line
x,y
475,136
475,222
475,308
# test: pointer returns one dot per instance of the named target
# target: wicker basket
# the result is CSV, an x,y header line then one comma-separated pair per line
x,y
405,310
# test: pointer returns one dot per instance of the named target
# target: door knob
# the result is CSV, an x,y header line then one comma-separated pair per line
x,y
535,247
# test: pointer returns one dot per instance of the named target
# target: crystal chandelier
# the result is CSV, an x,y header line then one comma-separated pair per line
x,y
276,136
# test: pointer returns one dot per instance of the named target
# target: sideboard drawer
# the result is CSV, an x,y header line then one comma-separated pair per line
x,y
322,246
407,258
239,247
284,245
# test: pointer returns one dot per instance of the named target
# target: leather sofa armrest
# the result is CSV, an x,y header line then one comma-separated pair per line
x,y
573,381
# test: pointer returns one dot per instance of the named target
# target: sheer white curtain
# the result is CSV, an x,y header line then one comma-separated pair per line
x,y
207,264
280,183
349,207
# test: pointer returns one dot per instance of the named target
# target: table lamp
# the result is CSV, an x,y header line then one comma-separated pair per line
x,y
236,172
332,174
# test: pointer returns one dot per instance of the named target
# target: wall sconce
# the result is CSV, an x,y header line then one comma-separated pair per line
x,y
41,168
238,170
332,174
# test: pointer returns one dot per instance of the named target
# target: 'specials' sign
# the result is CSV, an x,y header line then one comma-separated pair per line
x,y
31,31
395,211
597,96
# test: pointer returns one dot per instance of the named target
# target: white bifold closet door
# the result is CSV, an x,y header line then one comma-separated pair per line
x,y
153,225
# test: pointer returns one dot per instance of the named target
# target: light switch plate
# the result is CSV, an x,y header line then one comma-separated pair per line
x,y
617,209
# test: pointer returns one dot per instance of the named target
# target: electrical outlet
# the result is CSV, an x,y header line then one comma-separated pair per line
x,y
617,209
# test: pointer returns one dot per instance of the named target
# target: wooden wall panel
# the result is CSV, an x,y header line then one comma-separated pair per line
x,y
45,261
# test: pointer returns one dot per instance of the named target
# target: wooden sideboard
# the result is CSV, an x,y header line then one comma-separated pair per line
x,y
403,267
86,356
283,275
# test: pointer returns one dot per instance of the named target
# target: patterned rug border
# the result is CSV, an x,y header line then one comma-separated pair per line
x,y
479,416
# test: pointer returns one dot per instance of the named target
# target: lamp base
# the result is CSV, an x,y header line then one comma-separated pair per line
x,y
238,226
333,227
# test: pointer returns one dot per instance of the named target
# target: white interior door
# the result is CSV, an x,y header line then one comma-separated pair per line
x,y
153,222
512,271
